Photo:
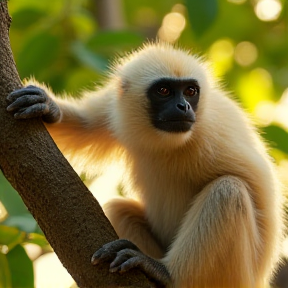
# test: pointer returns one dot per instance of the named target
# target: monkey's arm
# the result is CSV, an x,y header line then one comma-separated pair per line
x,y
76,125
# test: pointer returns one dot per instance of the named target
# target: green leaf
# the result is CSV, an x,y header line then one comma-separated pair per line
x,y
111,42
24,222
83,77
5,276
88,58
202,14
27,17
277,136
21,268
17,211
34,238
52,9
38,53
115,38
11,236
10,198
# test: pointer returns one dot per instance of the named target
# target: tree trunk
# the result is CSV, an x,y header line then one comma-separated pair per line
x,y
109,14
66,211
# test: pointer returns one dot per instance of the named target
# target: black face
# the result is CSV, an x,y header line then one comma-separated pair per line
x,y
173,103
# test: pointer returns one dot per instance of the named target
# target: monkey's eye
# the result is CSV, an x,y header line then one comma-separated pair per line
x,y
190,91
163,91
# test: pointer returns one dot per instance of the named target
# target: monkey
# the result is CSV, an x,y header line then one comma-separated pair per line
x,y
208,208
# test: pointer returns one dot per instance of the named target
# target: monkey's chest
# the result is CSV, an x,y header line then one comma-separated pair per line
x,y
167,193
166,203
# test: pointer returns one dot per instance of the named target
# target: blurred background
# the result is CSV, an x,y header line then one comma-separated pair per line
x,y
69,44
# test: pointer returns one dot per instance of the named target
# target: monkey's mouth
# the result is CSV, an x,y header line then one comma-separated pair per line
x,y
174,125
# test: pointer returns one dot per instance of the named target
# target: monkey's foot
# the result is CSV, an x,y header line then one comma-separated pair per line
x,y
124,255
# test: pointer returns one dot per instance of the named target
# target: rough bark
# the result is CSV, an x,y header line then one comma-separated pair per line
x,y
66,211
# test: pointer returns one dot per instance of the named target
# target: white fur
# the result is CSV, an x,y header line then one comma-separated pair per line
x,y
209,198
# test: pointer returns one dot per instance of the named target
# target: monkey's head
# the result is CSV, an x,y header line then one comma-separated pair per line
x,y
160,95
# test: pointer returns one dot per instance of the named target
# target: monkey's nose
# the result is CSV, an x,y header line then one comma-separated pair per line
x,y
184,106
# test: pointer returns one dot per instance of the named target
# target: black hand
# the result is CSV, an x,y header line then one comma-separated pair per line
x,y
31,102
125,256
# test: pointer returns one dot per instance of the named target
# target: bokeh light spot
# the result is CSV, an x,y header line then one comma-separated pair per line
x,y
173,24
246,53
238,2
221,55
268,10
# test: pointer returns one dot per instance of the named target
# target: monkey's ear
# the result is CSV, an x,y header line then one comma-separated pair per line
x,y
122,86
125,85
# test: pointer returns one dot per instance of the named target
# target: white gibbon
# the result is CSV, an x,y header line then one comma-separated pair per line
x,y
209,211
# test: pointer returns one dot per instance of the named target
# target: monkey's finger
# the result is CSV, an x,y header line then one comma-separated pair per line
x,y
119,245
111,249
114,247
115,269
123,256
152,268
31,90
25,101
33,111
131,263
102,256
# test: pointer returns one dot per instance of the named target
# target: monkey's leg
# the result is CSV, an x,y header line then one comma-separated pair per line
x,y
218,243
128,219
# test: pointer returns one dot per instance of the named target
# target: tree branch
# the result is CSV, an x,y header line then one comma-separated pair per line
x,y
66,211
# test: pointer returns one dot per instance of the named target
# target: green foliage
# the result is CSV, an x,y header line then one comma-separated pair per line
x,y
18,215
5,275
18,227
26,17
32,52
61,43
16,267
201,14
21,268
277,136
